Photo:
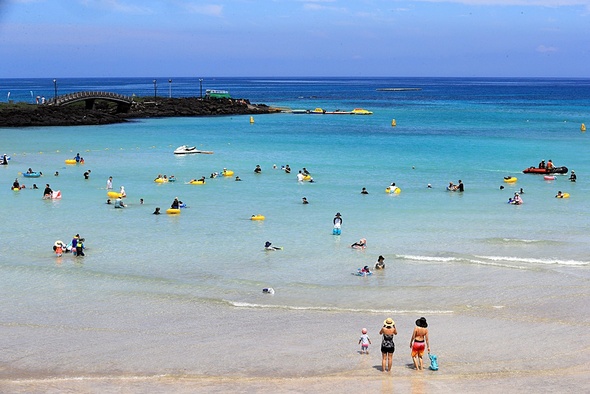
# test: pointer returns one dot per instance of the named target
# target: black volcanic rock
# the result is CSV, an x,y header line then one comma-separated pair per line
x,y
27,115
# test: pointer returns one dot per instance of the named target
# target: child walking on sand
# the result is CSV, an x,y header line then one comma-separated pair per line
x,y
364,341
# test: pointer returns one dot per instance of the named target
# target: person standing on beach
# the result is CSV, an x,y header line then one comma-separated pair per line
x,y
364,341
417,343
387,346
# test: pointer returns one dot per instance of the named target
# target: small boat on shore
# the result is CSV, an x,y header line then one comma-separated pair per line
x,y
189,150
544,171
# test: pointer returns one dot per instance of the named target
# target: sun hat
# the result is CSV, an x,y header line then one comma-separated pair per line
x,y
364,330
422,322
389,323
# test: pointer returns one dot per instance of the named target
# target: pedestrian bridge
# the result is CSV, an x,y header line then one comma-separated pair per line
x,y
123,102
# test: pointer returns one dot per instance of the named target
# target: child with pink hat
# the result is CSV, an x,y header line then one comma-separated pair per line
x,y
364,341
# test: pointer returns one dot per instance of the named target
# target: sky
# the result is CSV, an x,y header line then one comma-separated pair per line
x,y
294,38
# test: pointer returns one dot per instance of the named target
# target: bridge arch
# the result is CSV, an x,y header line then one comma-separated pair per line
x,y
123,102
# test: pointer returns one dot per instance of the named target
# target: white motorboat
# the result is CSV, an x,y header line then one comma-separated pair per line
x,y
188,150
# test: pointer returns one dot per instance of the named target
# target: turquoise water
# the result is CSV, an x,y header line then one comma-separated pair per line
x,y
443,250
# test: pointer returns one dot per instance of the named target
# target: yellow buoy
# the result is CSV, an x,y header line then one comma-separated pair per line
x,y
583,128
393,123
251,119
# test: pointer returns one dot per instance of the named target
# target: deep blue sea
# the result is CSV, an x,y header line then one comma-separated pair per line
x,y
464,254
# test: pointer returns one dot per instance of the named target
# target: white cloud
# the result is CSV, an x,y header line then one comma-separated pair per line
x,y
207,9
546,49
545,3
117,6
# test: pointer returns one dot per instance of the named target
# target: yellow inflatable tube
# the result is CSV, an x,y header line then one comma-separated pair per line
x,y
71,161
172,211
307,178
113,194
197,182
227,173
565,195
397,190
257,217
510,179
160,180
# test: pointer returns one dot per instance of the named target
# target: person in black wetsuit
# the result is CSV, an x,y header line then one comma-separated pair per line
x,y
175,204
460,186
573,176
47,193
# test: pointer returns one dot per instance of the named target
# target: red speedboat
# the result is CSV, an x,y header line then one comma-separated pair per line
x,y
545,171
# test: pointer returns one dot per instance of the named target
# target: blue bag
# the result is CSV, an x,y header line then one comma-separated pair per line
x,y
433,362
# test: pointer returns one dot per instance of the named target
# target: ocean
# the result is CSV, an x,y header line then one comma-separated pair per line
x,y
180,296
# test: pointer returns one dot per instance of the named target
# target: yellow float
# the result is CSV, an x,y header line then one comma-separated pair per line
x,y
160,180
113,194
307,178
16,189
257,217
565,195
197,182
510,179
71,161
227,173
173,211
397,190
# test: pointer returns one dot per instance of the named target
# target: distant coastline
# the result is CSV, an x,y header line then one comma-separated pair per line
x,y
32,115
397,89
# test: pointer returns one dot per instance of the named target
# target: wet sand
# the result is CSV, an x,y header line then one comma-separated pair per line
x,y
476,354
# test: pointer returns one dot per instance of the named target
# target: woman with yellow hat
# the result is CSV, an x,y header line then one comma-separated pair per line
x,y
387,346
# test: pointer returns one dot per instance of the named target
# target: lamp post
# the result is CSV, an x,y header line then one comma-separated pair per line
x,y
201,86
169,88
155,88
55,90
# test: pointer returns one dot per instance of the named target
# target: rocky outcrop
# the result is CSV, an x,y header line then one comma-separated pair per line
x,y
27,115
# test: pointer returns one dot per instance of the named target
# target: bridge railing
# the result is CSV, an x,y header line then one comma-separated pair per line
x,y
76,96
